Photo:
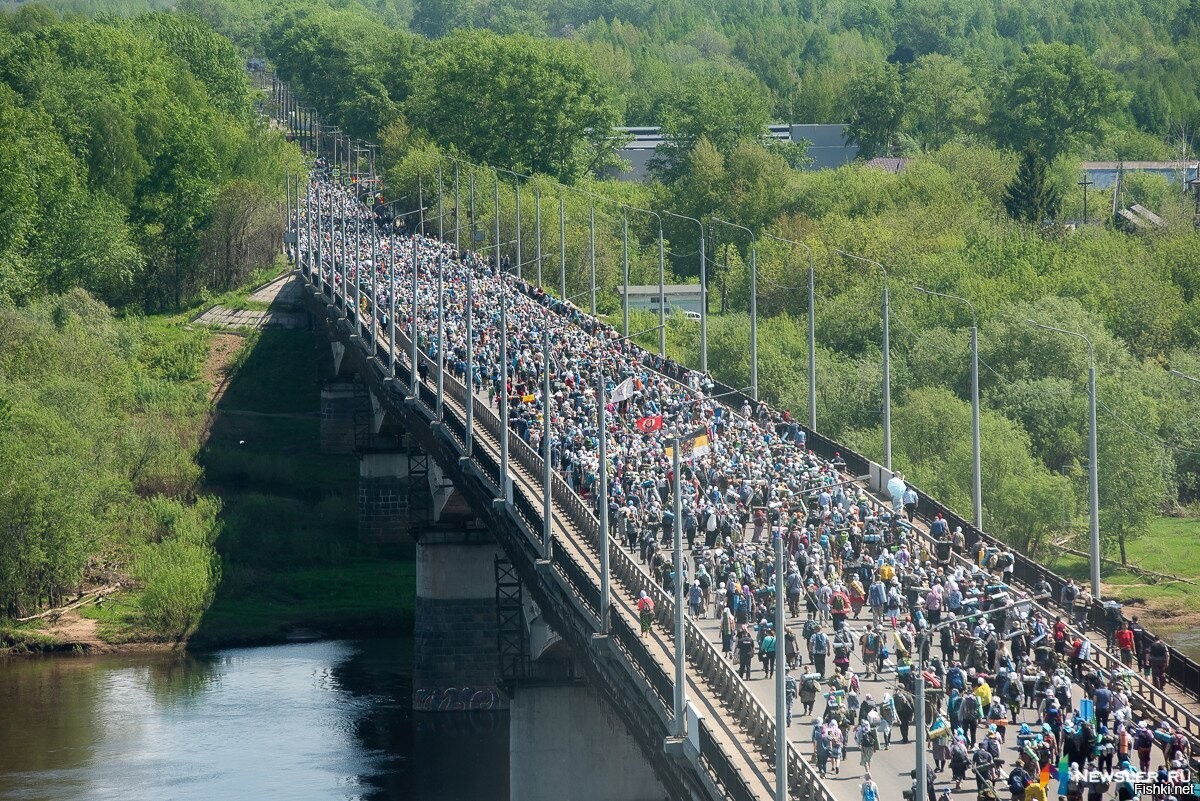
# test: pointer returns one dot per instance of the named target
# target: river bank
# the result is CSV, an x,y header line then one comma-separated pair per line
x,y
290,564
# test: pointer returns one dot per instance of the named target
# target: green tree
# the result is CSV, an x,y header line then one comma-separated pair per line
x,y
526,104
717,102
943,100
876,108
1134,470
1054,100
1031,197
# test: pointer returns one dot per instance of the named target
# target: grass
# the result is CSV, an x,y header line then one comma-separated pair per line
x,y
290,554
276,373
21,638
1169,547
119,619
366,595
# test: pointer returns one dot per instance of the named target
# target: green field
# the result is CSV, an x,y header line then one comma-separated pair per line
x,y
1172,546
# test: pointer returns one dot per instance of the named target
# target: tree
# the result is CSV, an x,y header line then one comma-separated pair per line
x,y
717,102
943,100
530,105
1031,198
1054,100
1134,468
876,107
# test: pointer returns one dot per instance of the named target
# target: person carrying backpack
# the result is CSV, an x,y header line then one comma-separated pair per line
x,y
871,642
868,788
1018,780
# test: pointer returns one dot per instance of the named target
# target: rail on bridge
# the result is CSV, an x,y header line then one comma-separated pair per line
x,y
730,745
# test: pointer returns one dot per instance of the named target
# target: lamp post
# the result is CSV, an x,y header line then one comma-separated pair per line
x,y
625,274
919,693
602,496
781,765
562,242
505,481
976,458
457,218
441,334
537,230
547,478
517,191
680,645
1093,467
393,264
703,291
812,329
592,250
887,361
1185,376
753,305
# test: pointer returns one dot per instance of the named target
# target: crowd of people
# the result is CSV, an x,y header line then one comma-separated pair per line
x,y
869,597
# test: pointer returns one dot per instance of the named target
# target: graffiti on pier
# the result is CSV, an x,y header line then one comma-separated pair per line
x,y
455,699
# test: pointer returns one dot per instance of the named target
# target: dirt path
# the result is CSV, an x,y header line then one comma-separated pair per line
x,y
75,630
221,353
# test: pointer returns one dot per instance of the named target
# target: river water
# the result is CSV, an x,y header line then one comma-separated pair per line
x,y
315,720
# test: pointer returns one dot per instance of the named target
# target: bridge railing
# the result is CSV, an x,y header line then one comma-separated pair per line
x,y
1183,671
1145,698
717,672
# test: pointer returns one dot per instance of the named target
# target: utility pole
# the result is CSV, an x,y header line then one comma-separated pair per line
x,y
1085,183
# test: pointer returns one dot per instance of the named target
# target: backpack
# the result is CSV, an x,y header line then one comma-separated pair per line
x,y
839,603
1017,781
869,792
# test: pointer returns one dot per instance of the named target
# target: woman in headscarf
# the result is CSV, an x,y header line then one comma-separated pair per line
x,y
645,607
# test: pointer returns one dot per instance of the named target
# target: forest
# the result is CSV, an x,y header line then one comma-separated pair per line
x,y
993,104
135,176
135,173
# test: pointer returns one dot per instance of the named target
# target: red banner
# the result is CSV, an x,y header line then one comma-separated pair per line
x,y
648,425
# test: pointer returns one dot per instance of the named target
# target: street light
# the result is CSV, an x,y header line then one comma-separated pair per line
x,y
753,305
680,649
1093,467
812,330
887,361
662,320
976,460
919,689
703,292
602,496
1184,376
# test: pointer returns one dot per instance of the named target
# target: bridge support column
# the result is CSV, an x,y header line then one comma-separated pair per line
x,y
393,495
456,656
564,742
339,400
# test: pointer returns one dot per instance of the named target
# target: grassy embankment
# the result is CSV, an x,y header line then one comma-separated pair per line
x,y
1170,548
290,555
251,486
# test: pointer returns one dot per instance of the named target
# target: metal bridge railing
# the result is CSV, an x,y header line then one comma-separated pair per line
x,y
717,673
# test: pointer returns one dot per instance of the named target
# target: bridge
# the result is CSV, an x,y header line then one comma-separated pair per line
x,y
511,608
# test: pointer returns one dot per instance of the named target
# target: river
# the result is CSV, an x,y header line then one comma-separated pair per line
x,y
313,720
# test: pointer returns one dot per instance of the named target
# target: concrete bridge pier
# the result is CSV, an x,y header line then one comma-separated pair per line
x,y
342,402
566,744
456,657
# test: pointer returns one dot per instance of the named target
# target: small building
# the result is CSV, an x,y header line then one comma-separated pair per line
x,y
827,147
892,164
678,297
1103,174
